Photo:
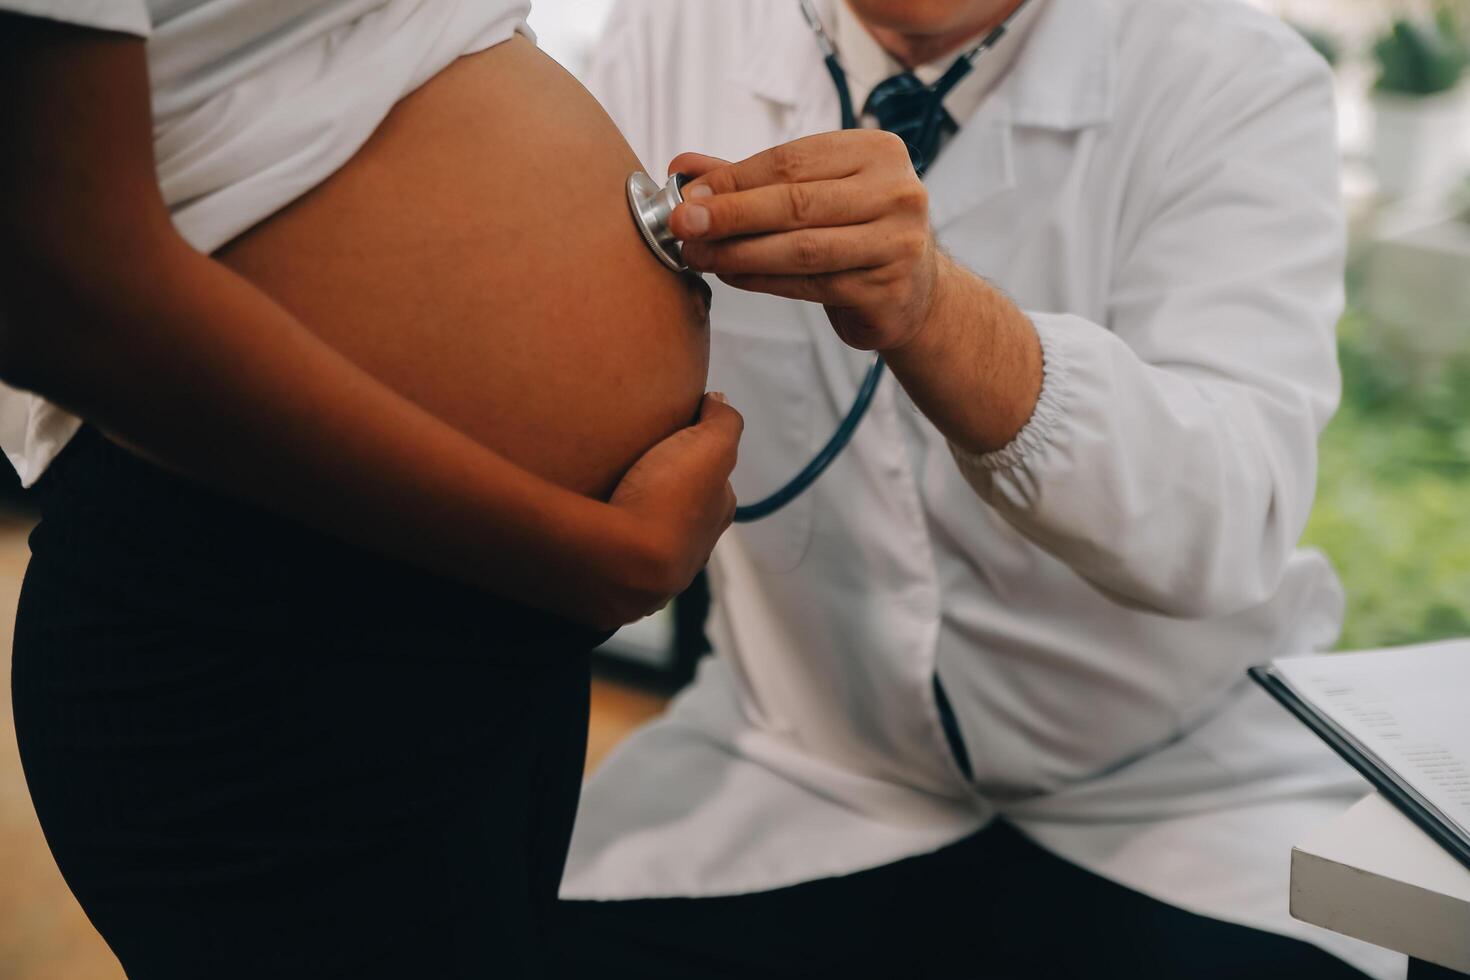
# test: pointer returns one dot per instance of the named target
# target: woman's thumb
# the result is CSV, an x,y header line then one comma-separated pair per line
x,y
719,420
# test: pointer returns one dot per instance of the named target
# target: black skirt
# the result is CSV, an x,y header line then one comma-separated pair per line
x,y
257,752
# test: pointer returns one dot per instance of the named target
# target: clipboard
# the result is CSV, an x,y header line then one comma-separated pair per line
x,y
1394,787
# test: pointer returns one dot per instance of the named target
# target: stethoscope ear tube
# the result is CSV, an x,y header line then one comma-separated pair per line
x,y
844,95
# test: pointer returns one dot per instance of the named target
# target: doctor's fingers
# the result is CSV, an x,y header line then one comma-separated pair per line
x,y
806,251
695,164
825,156
778,207
841,290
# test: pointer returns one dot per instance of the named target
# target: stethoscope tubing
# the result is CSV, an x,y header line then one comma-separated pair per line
x,y
768,505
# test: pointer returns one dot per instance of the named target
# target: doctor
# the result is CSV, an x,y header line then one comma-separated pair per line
x,y
978,707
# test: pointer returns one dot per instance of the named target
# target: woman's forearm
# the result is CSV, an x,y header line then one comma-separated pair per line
x,y
195,368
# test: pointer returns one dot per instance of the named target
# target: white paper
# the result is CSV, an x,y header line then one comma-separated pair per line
x,y
1409,706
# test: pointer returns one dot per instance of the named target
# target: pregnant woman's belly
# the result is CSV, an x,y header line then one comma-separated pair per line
x,y
477,255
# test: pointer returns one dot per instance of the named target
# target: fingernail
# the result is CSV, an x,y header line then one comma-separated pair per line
x,y
719,396
695,191
696,219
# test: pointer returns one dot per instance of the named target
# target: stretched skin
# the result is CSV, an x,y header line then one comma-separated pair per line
x,y
477,256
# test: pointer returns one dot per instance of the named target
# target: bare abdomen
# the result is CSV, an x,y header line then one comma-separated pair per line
x,y
477,256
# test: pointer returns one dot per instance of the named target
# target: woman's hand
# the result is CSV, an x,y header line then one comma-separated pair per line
x,y
839,219
672,506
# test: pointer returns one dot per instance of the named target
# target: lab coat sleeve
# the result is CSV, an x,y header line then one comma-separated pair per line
x,y
1171,459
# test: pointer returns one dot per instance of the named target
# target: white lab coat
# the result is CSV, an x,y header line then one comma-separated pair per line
x,y
1155,183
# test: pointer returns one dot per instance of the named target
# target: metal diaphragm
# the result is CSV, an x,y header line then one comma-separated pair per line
x,y
652,206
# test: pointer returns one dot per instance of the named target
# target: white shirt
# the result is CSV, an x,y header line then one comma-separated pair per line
x,y
1155,183
255,102
866,63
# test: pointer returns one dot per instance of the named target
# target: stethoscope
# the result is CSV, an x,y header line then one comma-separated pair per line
x,y
652,207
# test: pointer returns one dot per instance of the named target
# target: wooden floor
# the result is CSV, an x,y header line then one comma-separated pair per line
x,y
43,933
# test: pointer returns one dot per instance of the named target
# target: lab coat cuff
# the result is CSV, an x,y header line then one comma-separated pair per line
x,y
1046,418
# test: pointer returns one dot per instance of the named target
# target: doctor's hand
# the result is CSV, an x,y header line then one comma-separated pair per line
x,y
842,220
839,219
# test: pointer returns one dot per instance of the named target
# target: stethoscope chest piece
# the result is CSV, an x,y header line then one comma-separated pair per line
x,y
652,206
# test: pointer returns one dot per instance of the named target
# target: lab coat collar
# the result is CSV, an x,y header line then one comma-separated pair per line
x,y
974,167
786,67
1066,77
1063,80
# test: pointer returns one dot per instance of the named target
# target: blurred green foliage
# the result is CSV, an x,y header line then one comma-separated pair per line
x,y
1422,57
1393,497
1460,200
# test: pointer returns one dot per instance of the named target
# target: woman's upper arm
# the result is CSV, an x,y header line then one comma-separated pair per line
x,y
79,197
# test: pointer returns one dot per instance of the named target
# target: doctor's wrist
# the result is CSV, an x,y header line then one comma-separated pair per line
x,y
932,317
975,367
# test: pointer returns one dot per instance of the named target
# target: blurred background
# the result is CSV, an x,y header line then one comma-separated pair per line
x,y
1395,469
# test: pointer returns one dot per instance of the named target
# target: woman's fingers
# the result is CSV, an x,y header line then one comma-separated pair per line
x,y
679,498
777,207
723,426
